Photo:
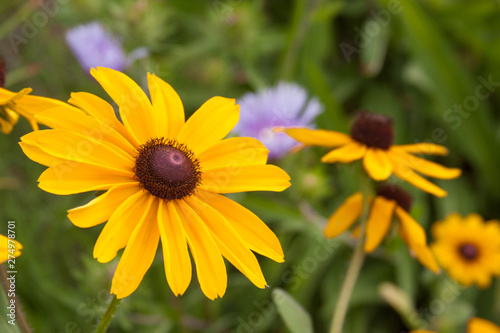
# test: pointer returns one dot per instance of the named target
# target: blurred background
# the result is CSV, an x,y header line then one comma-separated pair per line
x,y
420,62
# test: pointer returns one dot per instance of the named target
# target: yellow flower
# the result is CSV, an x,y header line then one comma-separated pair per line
x,y
478,325
163,176
468,248
371,140
389,200
14,104
9,248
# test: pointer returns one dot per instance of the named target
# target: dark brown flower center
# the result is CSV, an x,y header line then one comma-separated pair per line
x,y
3,69
374,130
403,199
167,169
468,251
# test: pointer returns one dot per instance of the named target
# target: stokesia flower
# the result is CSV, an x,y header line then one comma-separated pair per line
x,y
468,248
388,202
371,139
93,46
9,248
13,104
163,177
285,105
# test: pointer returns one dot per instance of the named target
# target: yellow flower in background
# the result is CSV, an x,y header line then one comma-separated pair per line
x,y
478,325
388,202
9,247
163,176
15,104
468,248
371,139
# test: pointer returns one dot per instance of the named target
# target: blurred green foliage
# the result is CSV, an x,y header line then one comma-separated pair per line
x,y
421,63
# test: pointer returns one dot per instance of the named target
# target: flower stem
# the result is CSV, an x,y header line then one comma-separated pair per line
x,y
20,317
108,315
353,270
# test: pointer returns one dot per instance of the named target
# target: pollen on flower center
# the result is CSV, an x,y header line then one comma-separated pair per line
x,y
167,169
374,130
468,251
403,199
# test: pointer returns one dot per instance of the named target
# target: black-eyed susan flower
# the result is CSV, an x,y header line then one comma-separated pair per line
x,y
9,248
479,325
14,104
389,201
163,177
468,248
371,139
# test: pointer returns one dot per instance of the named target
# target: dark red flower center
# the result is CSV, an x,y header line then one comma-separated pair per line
x,y
3,70
167,169
374,130
403,199
468,251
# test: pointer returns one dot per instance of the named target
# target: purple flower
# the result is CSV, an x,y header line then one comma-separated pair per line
x,y
286,105
93,46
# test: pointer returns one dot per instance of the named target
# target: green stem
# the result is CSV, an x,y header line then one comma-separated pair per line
x,y
353,270
108,315
20,317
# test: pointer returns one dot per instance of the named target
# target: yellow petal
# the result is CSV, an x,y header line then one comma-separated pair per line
x,y
423,148
377,164
7,96
344,216
8,124
167,107
254,232
104,113
209,263
9,248
245,178
230,243
29,106
346,154
232,153
138,255
79,148
429,168
311,137
101,208
136,111
176,259
210,124
402,171
116,233
38,155
74,177
414,235
478,325
378,222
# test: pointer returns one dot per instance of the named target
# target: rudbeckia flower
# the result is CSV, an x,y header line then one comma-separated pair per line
x,y
388,202
468,248
163,178
13,104
478,325
9,248
371,139
287,105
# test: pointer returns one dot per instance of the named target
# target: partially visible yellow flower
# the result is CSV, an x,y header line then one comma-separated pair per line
x,y
478,325
9,247
468,248
371,139
164,179
389,200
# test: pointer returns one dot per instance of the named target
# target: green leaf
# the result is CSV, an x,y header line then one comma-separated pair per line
x,y
295,317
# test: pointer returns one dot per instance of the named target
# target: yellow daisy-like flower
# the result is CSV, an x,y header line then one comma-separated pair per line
x,y
478,325
163,176
371,139
9,248
468,248
389,200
